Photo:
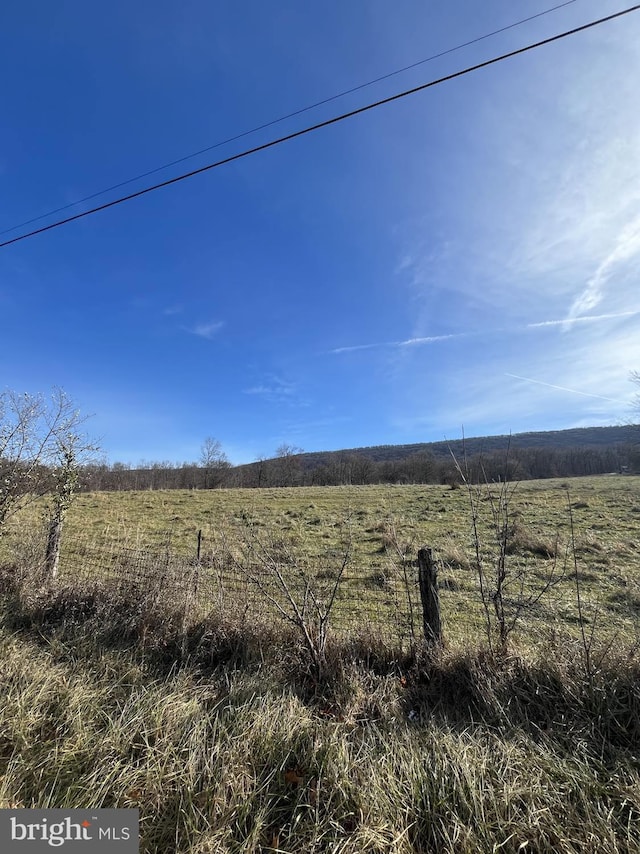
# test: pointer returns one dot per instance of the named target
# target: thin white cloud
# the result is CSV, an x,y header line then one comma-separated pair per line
x,y
405,263
410,342
627,246
207,330
564,388
596,361
274,389
590,318
353,348
551,214
267,390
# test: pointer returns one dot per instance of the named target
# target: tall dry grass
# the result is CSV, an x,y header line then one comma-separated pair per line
x,y
222,735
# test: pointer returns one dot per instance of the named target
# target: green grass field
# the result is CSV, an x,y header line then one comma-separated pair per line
x,y
383,522
228,741
379,525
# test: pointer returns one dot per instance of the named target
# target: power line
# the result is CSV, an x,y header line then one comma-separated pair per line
x,y
288,116
326,123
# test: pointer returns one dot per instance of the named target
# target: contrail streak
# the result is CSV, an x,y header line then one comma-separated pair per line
x,y
584,319
563,388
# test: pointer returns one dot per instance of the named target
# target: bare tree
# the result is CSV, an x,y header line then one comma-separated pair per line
x,y
42,448
35,434
213,461
286,465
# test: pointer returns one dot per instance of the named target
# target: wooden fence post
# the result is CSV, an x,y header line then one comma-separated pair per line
x,y
428,581
199,545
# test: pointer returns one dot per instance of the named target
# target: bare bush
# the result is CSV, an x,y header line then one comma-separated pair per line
x,y
507,591
301,594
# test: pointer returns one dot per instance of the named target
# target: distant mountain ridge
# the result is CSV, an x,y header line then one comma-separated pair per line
x,y
577,437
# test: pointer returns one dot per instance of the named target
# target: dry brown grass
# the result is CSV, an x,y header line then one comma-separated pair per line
x,y
216,725
220,733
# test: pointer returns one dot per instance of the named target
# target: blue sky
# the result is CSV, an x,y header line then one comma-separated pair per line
x,y
465,258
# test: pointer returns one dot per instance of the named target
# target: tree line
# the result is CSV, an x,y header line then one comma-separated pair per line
x,y
44,451
290,468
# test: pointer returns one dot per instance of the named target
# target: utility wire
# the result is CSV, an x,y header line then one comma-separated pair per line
x,y
324,124
288,116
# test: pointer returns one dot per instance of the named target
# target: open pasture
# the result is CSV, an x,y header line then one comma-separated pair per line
x,y
554,526
237,747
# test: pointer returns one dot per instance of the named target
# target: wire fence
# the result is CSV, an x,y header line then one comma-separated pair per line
x,y
254,581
